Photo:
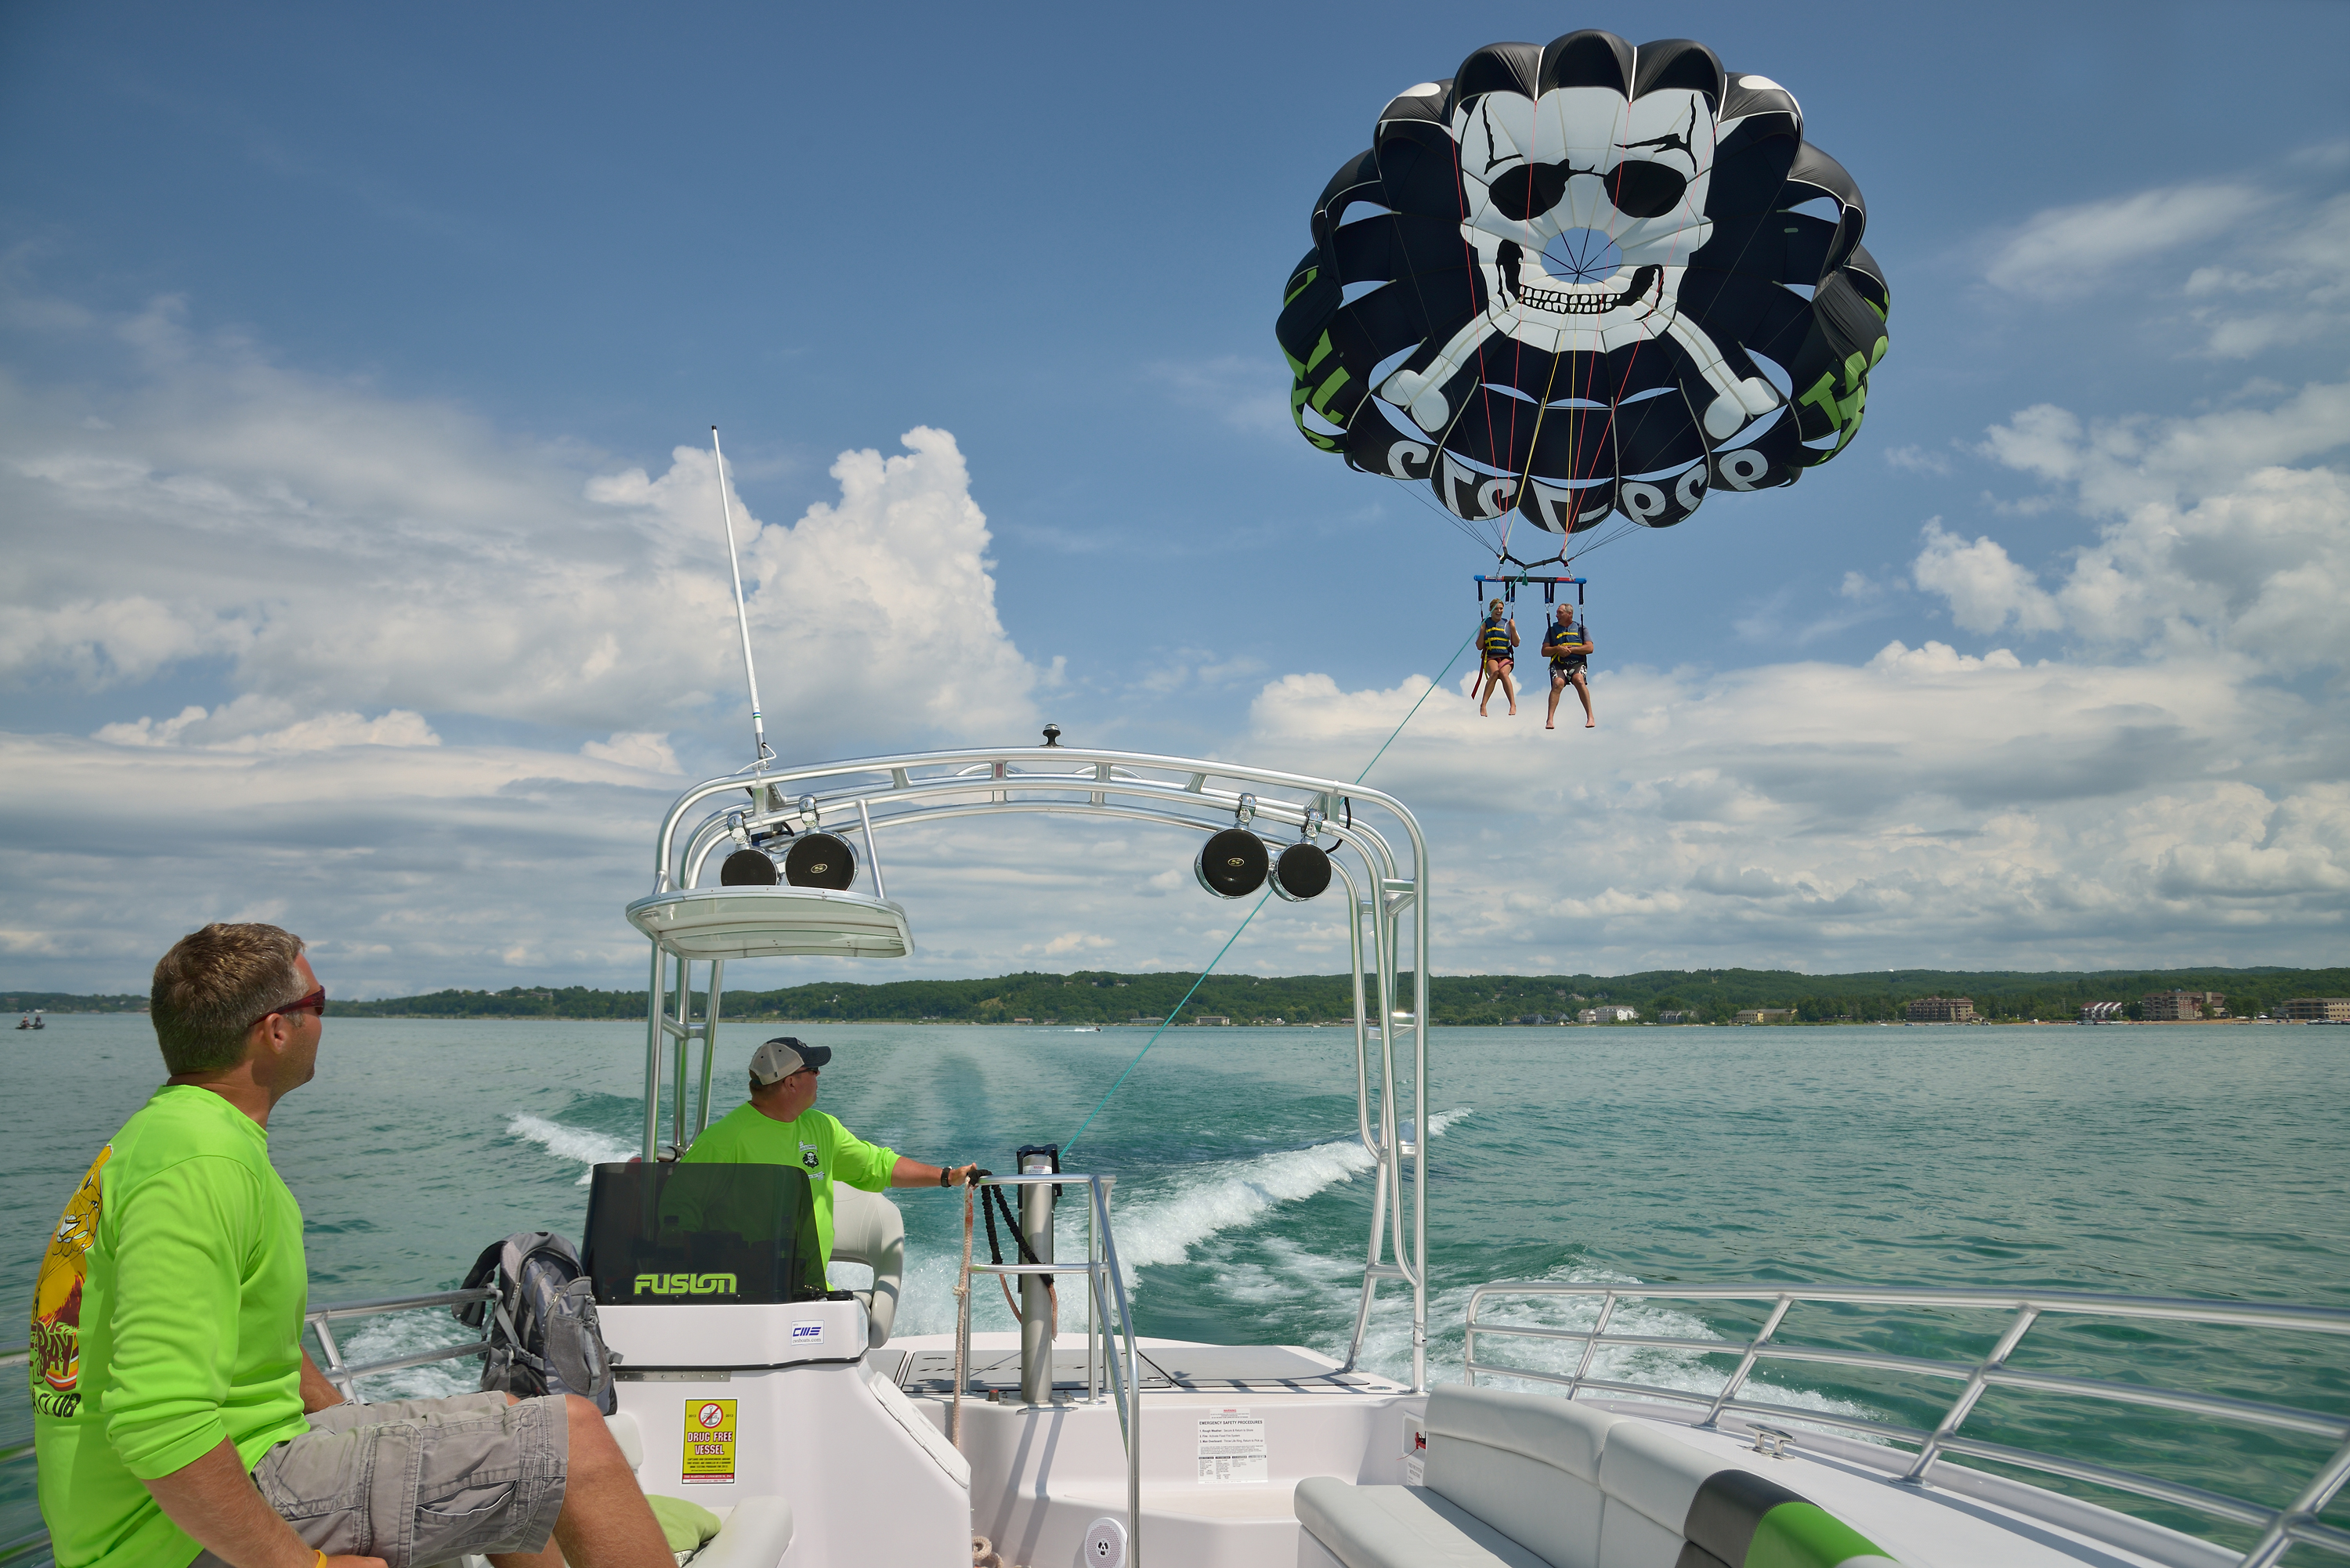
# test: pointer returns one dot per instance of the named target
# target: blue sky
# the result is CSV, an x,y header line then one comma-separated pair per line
x,y
346,354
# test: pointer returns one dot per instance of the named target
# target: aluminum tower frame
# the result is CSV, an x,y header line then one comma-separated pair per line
x,y
867,794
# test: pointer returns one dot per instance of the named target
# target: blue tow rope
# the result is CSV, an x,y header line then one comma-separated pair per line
x,y
1169,1021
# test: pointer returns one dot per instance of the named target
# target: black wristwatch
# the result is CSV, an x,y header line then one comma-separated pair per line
x,y
944,1171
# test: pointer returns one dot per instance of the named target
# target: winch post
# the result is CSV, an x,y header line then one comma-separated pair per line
x,y
1036,1289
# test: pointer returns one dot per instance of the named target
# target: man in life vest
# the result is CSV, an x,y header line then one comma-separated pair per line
x,y
1497,643
1569,648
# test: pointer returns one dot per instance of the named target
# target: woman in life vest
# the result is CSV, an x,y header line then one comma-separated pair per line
x,y
1497,642
1569,648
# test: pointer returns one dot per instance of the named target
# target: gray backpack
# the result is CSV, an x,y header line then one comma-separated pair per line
x,y
543,1336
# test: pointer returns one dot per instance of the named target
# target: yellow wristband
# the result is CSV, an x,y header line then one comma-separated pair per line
x,y
321,1562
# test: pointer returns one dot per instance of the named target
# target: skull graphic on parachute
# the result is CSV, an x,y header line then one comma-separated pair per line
x,y
1584,279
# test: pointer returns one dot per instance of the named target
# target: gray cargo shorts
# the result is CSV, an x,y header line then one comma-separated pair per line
x,y
417,1481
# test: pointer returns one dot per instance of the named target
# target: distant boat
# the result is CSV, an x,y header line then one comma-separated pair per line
x,y
32,1022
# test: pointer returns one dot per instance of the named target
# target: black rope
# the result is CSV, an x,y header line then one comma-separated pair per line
x,y
990,1199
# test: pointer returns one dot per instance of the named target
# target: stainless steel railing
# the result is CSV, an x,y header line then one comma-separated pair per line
x,y
1116,1371
320,1320
2278,1528
21,1547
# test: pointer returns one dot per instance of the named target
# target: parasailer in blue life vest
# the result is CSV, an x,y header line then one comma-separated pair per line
x,y
1497,643
1569,648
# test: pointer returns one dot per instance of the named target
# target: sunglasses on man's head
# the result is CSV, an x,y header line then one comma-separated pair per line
x,y
314,1003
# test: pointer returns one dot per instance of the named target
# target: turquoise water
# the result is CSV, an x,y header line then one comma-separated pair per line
x,y
2197,1161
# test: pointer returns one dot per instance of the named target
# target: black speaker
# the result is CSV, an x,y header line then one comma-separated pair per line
x,y
820,860
1301,872
1232,864
747,869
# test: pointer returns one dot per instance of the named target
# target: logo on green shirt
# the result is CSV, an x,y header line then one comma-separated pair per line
x,y
686,1284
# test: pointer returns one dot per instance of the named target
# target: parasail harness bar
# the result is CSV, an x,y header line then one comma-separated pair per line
x,y
1550,586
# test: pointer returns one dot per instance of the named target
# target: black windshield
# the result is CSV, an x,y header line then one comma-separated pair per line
x,y
705,1234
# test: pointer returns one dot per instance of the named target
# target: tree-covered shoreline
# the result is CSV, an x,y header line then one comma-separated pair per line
x,y
1102,997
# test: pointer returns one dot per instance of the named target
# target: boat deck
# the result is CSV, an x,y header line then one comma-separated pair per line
x,y
1189,1369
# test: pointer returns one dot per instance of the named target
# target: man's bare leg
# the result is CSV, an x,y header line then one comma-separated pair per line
x,y
1583,691
606,1521
1557,685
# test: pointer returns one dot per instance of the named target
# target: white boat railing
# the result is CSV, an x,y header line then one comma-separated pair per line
x,y
2297,1522
1113,1365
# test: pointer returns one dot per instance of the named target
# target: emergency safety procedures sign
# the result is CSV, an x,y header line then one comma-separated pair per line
x,y
1231,1448
709,1442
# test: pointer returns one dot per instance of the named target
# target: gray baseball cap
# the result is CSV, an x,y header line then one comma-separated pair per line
x,y
781,1058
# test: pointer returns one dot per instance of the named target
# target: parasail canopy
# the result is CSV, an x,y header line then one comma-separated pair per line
x,y
1585,279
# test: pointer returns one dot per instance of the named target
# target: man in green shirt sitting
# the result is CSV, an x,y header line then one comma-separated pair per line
x,y
781,1125
176,1418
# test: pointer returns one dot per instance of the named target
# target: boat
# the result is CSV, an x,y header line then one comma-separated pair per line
x,y
1574,1441
1099,1445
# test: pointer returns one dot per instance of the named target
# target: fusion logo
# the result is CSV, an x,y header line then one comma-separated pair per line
x,y
685,1284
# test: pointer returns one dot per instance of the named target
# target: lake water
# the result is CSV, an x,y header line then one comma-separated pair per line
x,y
2179,1160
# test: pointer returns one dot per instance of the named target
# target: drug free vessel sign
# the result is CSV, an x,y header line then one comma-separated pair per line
x,y
709,1442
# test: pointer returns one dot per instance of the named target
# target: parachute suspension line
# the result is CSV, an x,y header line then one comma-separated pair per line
x,y
760,755
1533,443
1263,899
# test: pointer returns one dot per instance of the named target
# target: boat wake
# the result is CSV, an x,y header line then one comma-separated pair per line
x,y
1158,1227
1163,1228
384,1338
590,1148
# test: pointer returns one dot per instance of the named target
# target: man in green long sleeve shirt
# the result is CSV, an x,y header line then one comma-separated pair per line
x,y
176,1416
779,1125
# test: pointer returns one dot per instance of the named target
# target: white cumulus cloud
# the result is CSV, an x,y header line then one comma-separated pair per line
x,y
339,550
1986,589
2208,534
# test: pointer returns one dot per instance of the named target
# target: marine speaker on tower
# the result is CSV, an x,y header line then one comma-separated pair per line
x,y
820,860
1300,872
1232,864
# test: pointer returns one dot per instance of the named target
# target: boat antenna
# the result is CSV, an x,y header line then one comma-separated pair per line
x,y
760,755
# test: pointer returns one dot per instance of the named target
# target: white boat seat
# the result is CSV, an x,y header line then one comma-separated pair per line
x,y
1527,1480
623,1427
1402,1527
756,1533
867,1228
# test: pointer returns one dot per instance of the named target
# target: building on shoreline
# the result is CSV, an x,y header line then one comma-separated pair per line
x,y
2179,1006
1765,1015
2105,1013
2316,1010
1608,1013
1942,1010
